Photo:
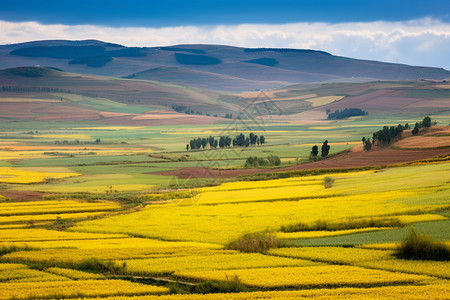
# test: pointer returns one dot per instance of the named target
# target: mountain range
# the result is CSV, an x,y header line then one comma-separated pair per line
x,y
220,68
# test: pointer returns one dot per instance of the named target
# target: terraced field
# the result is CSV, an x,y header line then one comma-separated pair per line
x,y
108,211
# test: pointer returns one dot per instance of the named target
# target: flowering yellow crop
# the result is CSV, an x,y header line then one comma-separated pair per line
x,y
420,292
15,175
433,268
333,254
111,128
291,181
263,194
308,277
77,255
223,223
374,259
324,233
319,101
4,267
214,261
71,289
37,234
74,274
408,219
35,219
66,136
67,206
21,273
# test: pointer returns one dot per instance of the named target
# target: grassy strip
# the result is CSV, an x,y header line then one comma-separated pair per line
x,y
344,225
14,248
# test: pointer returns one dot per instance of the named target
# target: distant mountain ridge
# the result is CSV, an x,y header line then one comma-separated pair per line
x,y
228,69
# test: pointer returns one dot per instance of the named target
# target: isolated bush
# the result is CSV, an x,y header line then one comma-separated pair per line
x,y
422,247
254,242
273,160
328,182
232,285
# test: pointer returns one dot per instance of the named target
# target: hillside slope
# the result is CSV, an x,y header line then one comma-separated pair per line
x,y
272,68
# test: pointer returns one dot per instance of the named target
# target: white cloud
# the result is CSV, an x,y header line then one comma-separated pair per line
x,y
417,42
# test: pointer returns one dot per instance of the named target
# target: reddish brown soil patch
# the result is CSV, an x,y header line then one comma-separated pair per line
x,y
19,110
22,195
161,119
346,159
62,112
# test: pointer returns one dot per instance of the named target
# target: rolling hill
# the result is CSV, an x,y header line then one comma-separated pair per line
x,y
36,92
217,67
51,94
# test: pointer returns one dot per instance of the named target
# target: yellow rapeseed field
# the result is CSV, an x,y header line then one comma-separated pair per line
x,y
339,255
419,292
211,261
225,222
16,175
55,206
70,256
39,234
32,220
433,268
74,274
120,243
309,277
71,289
64,136
21,273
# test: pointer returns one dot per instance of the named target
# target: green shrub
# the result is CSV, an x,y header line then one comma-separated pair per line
x,y
328,182
168,195
422,247
255,242
231,285
254,161
97,265
14,248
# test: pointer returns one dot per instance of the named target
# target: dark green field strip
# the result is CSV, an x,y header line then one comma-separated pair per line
x,y
85,160
436,229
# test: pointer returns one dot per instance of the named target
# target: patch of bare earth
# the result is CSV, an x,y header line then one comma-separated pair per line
x,y
431,138
22,195
353,158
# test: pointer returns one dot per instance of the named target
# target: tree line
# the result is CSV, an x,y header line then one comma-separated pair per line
x,y
346,113
388,133
226,141
325,150
32,89
184,109
255,162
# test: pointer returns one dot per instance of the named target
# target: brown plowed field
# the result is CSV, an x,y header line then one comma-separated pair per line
x,y
347,159
22,195
355,157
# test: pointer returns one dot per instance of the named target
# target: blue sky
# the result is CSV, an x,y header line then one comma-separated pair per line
x,y
411,32
214,12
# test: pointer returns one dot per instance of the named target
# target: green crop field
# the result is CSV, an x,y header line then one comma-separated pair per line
x,y
97,209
